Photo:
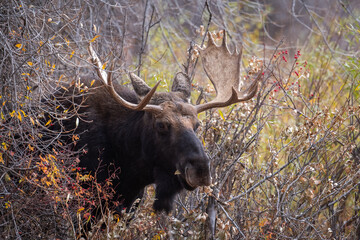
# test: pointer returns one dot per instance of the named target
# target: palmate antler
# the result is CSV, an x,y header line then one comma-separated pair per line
x,y
223,70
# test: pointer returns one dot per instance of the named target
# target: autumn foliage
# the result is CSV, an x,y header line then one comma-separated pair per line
x,y
285,164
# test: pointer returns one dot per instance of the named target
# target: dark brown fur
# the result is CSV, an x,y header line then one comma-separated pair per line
x,y
141,147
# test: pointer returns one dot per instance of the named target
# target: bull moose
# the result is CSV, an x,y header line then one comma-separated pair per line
x,y
149,136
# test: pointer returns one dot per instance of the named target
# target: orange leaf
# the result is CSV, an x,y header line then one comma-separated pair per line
x,y
72,54
104,66
92,40
80,210
31,148
48,122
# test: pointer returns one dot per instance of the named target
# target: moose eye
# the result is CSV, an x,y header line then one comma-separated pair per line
x,y
162,127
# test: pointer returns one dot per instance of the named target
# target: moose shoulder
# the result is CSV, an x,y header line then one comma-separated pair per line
x,y
146,137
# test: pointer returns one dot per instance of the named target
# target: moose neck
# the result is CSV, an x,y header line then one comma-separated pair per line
x,y
132,142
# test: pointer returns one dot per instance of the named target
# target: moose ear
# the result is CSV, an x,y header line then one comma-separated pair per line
x,y
182,84
140,86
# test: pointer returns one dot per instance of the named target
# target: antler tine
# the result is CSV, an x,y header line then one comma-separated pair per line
x,y
107,80
223,70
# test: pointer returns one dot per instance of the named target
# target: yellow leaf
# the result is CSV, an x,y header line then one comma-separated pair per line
x,y
92,82
2,116
23,113
43,159
19,45
25,74
67,41
19,116
72,54
156,237
80,210
31,148
4,146
30,63
48,122
117,217
1,158
221,114
342,86
53,66
104,66
32,121
88,219
84,178
92,40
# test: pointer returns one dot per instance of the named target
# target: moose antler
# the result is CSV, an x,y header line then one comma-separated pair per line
x,y
223,70
107,80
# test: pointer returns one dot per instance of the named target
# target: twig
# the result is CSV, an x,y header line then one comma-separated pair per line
x,y
191,76
232,220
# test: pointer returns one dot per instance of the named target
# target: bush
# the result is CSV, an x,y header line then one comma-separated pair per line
x,y
284,165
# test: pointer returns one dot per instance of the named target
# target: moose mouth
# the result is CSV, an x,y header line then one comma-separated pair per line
x,y
190,181
186,181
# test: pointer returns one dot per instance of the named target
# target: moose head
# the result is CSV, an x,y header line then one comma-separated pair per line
x,y
179,160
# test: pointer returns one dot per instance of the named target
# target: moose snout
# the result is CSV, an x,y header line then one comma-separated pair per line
x,y
197,173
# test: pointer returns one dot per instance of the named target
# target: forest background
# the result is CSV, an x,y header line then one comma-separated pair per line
x,y
285,165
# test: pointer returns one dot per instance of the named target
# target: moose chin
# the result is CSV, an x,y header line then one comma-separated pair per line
x,y
148,137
